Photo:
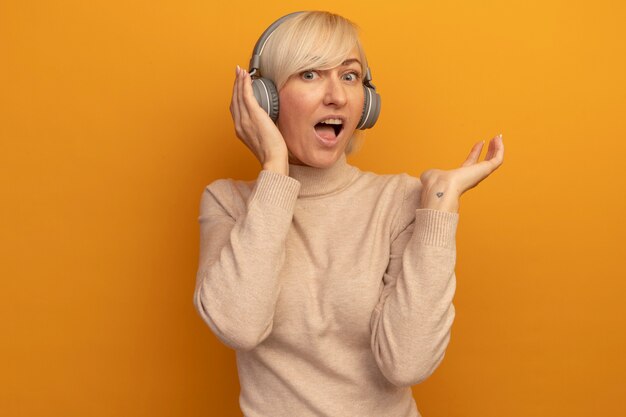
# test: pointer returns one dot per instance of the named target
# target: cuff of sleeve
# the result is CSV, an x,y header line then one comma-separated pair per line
x,y
436,227
276,189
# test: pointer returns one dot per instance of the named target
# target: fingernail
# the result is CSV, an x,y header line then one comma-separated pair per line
x,y
237,70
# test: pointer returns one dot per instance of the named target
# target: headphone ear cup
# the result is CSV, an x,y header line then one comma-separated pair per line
x,y
371,108
266,95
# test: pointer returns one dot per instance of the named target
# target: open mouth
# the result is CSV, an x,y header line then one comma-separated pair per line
x,y
329,129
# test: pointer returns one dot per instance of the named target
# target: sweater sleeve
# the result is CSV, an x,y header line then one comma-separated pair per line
x,y
237,282
411,322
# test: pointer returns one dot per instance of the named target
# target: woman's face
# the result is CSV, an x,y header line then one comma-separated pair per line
x,y
319,111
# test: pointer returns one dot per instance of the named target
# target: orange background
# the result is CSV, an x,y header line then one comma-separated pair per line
x,y
114,116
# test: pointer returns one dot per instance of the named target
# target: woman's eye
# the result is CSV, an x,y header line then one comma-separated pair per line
x,y
351,76
308,75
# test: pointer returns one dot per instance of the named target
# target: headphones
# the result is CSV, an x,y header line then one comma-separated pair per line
x,y
266,92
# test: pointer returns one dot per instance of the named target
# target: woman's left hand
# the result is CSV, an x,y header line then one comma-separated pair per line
x,y
441,189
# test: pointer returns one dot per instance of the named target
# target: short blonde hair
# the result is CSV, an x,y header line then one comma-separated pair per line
x,y
309,40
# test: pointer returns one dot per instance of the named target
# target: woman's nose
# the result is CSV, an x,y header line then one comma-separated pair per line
x,y
335,94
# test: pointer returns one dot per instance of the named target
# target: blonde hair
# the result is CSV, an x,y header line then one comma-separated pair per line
x,y
310,40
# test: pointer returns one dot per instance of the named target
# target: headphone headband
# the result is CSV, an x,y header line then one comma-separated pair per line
x,y
255,61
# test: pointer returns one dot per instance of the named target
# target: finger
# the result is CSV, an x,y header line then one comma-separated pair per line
x,y
256,113
252,105
234,104
243,108
481,170
474,154
243,124
491,150
498,158
496,155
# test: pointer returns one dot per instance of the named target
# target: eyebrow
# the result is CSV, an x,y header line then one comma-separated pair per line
x,y
351,61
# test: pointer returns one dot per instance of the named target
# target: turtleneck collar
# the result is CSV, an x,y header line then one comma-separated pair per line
x,y
320,181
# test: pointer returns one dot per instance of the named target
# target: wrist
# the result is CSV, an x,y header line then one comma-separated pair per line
x,y
278,166
440,198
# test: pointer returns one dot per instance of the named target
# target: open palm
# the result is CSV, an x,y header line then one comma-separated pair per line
x,y
472,171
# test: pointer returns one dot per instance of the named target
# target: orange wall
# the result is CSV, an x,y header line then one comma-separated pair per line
x,y
114,116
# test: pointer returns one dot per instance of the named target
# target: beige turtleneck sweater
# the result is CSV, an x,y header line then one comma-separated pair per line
x,y
333,286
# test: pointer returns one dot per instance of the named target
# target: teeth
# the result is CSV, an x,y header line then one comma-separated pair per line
x,y
332,121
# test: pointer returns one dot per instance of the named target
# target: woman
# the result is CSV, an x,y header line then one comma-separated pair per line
x,y
334,285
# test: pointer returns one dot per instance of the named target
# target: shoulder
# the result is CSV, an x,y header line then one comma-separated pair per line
x,y
397,187
225,197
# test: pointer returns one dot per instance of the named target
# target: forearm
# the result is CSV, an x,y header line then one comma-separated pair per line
x,y
411,324
237,282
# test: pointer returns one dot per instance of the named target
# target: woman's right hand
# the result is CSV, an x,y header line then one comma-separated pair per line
x,y
255,128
